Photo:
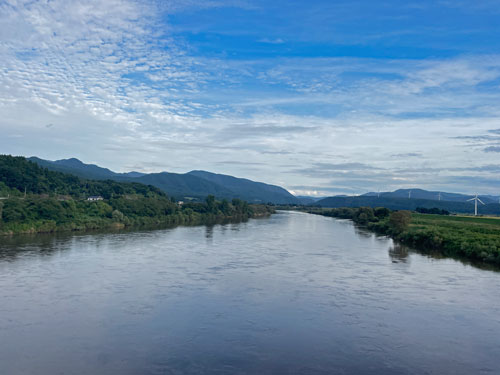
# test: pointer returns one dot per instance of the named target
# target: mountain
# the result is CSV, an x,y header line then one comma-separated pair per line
x,y
398,203
184,185
305,199
251,190
195,184
431,195
27,177
36,199
77,168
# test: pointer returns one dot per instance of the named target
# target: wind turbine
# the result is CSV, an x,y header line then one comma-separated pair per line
x,y
439,196
475,199
409,194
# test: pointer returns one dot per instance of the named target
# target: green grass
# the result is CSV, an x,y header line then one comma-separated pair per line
x,y
475,238
458,224
474,220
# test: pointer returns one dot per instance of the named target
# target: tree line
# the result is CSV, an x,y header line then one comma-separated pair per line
x,y
40,200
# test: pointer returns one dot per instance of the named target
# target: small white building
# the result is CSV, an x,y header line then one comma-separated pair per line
x,y
95,198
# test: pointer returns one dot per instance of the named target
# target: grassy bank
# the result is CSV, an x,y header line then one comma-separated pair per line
x,y
36,200
474,238
38,214
477,239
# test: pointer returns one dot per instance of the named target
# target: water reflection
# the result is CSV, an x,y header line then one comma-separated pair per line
x,y
363,232
399,253
12,247
45,244
291,294
209,232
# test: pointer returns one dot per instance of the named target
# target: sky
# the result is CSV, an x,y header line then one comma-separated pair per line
x,y
322,97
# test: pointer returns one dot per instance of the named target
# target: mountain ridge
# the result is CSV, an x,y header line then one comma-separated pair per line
x,y
398,203
196,184
417,193
243,186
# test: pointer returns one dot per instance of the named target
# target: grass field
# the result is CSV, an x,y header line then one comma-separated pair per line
x,y
476,238
459,224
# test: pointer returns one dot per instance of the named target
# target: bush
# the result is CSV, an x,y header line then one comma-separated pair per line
x,y
399,221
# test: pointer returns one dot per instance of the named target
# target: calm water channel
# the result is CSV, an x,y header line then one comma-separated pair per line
x,y
291,294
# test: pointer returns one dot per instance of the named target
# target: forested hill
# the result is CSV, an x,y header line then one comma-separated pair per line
x,y
86,171
18,175
195,184
252,190
34,199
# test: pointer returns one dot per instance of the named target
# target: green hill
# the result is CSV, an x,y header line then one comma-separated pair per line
x,y
195,184
185,185
249,190
36,199
20,174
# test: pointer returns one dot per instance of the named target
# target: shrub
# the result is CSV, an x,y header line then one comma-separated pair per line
x,y
400,220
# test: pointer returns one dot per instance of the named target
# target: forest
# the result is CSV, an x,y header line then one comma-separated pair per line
x,y
34,199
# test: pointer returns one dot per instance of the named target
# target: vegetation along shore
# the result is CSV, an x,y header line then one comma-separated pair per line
x,y
473,238
36,200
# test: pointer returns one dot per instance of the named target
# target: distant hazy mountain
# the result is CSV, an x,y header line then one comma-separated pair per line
x,y
76,167
253,191
185,185
195,184
399,203
431,195
305,199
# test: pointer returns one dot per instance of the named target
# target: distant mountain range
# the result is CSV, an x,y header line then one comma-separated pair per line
x,y
198,184
431,195
195,184
306,200
399,202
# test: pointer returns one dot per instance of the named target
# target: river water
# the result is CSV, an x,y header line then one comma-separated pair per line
x,y
290,294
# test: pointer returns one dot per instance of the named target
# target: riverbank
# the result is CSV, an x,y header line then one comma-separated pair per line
x,y
476,239
88,216
36,200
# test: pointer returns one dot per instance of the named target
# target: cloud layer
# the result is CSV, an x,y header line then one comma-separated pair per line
x,y
135,85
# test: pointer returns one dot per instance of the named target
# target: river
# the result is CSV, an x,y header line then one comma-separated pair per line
x,y
290,294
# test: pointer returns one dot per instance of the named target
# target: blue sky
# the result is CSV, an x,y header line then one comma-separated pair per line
x,y
321,97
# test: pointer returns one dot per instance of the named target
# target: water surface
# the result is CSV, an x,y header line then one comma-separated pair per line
x,y
291,294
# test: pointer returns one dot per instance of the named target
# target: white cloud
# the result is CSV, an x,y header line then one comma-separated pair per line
x,y
119,90
272,41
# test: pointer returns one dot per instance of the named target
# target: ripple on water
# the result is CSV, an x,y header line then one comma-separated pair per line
x,y
294,294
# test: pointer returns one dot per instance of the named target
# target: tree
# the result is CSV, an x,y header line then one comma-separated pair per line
x,y
364,215
210,201
400,220
381,212
225,207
